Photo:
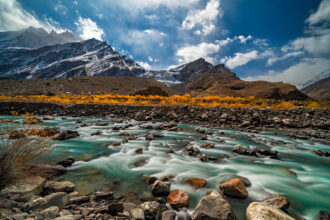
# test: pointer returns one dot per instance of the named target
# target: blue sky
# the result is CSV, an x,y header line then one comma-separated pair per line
x,y
282,40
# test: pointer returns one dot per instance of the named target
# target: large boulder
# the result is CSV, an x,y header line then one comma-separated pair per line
x,y
260,211
49,213
178,199
197,183
168,215
32,121
66,162
213,206
59,199
136,214
44,132
234,188
46,171
64,186
161,188
67,134
279,202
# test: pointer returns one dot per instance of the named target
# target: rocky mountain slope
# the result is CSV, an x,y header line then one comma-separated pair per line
x,y
124,85
220,81
83,58
319,90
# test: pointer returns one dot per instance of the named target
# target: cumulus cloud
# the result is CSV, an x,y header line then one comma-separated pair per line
x,y
243,39
88,29
275,59
321,15
144,40
194,52
317,39
13,17
239,59
59,7
145,65
205,18
296,74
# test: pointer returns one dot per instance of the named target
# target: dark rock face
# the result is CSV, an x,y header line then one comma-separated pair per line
x,y
66,162
323,215
161,188
191,151
151,90
67,134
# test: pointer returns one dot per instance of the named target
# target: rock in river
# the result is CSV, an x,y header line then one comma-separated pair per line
x,y
213,206
197,183
260,211
67,134
178,199
234,188
161,188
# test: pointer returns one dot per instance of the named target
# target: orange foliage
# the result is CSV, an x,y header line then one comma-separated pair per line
x,y
208,101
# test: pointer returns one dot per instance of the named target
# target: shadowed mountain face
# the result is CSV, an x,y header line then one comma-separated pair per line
x,y
319,90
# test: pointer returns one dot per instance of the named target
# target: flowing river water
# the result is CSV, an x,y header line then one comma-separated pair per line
x,y
299,174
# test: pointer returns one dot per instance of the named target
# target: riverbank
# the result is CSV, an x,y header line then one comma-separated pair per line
x,y
298,122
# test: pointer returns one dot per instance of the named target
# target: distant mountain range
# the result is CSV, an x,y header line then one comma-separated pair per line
x,y
319,90
34,53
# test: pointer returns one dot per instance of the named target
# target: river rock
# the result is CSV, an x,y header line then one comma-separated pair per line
x,y
115,207
32,121
207,146
47,171
168,215
16,135
96,133
67,134
279,202
49,213
161,188
101,123
64,186
103,196
264,152
67,162
136,214
197,183
191,151
79,200
25,190
213,206
239,149
178,199
149,137
323,215
259,211
151,210
59,199
234,188
48,117
149,179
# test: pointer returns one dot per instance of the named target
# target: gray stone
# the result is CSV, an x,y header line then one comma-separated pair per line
x,y
213,206
257,211
136,214
168,215
151,210
49,213
64,186
59,199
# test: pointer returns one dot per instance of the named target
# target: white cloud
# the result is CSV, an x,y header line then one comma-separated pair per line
x,y
297,74
321,15
194,52
134,5
239,59
205,18
317,40
275,59
88,29
243,39
150,58
145,65
317,45
75,2
59,7
13,17
101,16
144,41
